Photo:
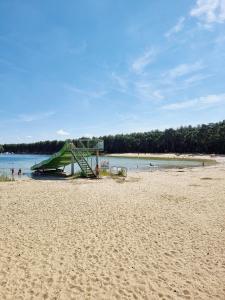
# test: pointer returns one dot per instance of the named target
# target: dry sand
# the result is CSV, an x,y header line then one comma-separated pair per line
x,y
156,235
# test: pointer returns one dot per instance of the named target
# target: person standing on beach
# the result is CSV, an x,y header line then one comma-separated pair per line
x,y
97,171
12,171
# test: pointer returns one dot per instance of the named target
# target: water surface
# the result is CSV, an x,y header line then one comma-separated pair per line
x,y
25,161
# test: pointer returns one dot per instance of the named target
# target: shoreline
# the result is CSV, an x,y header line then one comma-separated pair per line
x,y
211,159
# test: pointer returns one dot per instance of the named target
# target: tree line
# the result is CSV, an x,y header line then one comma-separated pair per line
x,y
208,138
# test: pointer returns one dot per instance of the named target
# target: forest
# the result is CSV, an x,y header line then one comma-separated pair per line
x,y
208,138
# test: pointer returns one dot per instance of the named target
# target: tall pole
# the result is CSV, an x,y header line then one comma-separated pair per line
x,y
97,157
72,165
97,163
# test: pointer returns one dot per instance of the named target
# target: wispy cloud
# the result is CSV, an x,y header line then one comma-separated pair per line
x,y
196,78
198,103
164,84
141,62
35,117
177,28
87,93
121,81
146,92
62,132
209,11
183,70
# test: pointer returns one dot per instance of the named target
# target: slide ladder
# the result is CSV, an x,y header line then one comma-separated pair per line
x,y
80,159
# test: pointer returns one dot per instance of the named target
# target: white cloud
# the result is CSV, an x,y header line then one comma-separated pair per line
x,y
198,103
177,28
35,117
155,89
140,63
209,11
62,132
183,70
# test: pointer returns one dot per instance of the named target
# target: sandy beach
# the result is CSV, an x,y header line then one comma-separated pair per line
x,y
175,156
154,235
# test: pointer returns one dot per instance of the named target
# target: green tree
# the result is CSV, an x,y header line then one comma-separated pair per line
x,y
1,149
200,139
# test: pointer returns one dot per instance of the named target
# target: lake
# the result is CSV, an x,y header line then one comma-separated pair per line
x,y
25,161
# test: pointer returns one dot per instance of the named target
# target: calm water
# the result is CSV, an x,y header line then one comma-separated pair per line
x,y
19,161
24,162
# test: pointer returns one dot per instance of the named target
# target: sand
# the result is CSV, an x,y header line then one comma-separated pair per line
x,y
156,235
212,157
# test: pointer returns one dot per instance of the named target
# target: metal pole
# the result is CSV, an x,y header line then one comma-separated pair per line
x,y
97,157
72,165
97,163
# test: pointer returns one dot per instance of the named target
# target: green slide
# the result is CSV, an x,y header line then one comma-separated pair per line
x,y
69,154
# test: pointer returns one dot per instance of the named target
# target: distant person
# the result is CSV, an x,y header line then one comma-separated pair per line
x,y
19,172
203,163
12,171
97,170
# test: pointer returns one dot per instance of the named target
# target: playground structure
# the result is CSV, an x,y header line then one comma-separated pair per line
x,y
72,152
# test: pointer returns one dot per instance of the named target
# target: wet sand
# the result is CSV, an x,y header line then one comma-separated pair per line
x,y
156,235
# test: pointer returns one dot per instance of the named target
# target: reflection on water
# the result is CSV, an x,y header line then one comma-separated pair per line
x,y
24,162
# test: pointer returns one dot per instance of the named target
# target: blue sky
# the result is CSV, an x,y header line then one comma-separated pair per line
x,y
94,67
